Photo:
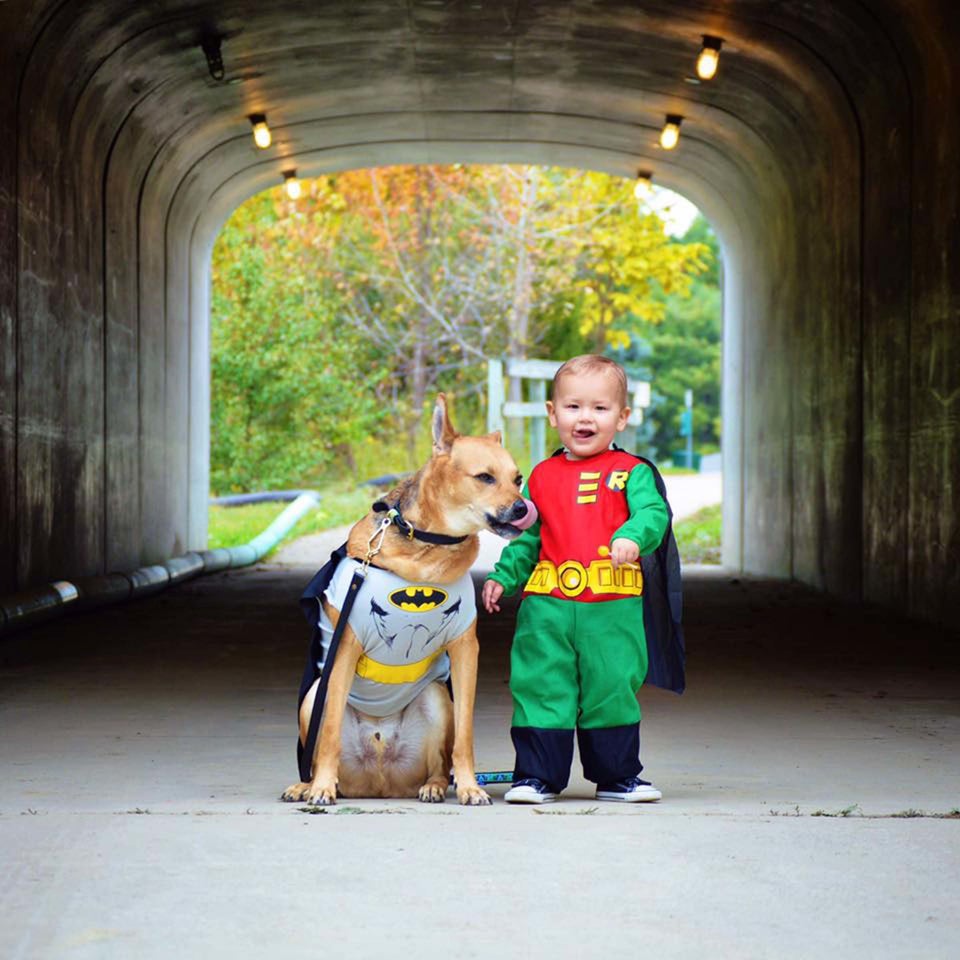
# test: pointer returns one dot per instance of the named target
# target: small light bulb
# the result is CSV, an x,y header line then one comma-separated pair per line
x,y
292,184
643,185
261,132
709,58
670,135
707,63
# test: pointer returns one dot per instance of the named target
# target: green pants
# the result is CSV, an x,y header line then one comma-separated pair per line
x,y
577,664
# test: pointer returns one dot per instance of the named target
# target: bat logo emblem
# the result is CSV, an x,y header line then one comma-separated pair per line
x,y
418,599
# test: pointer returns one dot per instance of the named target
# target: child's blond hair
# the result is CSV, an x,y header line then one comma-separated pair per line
x,y
593,363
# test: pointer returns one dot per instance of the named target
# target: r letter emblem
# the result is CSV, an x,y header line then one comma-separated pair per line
x,y
617,480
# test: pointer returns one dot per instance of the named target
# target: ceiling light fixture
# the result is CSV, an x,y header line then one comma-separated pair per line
x,y
292,184
709,57
670,134
261,132
643,185
210,44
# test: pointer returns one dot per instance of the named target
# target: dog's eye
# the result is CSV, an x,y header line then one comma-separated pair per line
x,y
484,478
518,480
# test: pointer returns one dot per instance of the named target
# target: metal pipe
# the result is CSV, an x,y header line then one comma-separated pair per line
x,y
53,600
267,496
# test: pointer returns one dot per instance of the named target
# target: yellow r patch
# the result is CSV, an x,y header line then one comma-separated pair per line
x,y
618,479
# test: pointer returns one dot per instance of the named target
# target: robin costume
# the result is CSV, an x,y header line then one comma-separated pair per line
x,y
579,653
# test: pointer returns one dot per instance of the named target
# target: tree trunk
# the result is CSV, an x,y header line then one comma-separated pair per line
x,y
522,297
423,207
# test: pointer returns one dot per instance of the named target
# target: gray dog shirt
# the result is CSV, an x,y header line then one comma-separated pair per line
x,y
403,628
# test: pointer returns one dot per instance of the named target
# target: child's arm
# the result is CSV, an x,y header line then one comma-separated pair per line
x,y
515,565
644,531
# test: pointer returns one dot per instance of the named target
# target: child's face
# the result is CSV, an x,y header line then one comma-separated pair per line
x,y
587,412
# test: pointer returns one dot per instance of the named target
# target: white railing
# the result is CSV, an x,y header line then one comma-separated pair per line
x,y
539,373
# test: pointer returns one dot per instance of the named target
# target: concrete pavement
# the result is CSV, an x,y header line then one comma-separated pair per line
x,y
143,749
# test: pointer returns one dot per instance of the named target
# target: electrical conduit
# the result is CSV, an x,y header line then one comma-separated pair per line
x,y
59,597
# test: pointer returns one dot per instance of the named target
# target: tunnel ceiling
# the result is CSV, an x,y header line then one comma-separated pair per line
x,y
346,83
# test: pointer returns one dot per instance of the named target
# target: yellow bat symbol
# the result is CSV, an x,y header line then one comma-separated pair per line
x,y
418,599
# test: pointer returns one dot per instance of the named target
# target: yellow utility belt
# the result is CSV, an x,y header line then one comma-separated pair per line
x,y
390,673
571,578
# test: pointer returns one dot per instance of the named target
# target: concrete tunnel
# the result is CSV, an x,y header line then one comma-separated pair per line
x,y
824,152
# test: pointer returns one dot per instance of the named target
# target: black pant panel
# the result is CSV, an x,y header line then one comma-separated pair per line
x,y
544,754
609,754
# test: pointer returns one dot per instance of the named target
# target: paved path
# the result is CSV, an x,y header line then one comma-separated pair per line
x,y
143,748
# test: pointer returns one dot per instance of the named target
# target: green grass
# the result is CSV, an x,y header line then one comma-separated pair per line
x,y
851,811
698,536
233,526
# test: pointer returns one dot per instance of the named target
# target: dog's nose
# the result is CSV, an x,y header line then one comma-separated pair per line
x,y
517,510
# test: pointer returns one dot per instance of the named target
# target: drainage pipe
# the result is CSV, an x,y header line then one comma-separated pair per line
x,y
53,600
267,496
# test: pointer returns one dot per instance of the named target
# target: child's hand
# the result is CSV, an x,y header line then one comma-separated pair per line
x,y
492,592
623,550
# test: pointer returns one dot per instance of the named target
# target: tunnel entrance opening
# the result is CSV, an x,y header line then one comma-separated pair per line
x,y
341,304
819,149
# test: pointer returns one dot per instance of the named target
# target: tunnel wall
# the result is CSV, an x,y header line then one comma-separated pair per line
x,y
932,335
9,75
826,159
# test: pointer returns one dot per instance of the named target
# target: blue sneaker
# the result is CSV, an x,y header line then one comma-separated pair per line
x,y
631,790
530,790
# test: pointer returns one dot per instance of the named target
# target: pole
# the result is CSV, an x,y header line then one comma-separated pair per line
x,y
538,425
688,398
494,395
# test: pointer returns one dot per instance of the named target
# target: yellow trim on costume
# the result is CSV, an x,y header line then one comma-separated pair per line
x,y
589,482
388,673
571,578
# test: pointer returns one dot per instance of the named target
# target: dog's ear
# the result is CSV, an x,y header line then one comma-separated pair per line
x,y
443,432
496,437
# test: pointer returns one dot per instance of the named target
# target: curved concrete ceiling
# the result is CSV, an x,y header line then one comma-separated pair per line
x,y
823,139
349,83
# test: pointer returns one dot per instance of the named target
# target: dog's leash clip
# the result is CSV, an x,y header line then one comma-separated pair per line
x,y
374,548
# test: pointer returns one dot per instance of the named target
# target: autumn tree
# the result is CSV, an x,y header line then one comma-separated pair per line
x,y
281,409
378,287
622,259
683,353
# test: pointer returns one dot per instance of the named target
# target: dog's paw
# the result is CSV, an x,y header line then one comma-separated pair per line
x,y
295,793
318,795
309,793
432,792
473,796
323,798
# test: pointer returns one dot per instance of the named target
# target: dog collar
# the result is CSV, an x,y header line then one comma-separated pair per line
x,y
408,530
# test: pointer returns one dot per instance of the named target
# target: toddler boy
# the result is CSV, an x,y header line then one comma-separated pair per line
x,y
579,654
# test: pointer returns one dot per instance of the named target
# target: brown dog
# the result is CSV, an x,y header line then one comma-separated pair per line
x,y
469,484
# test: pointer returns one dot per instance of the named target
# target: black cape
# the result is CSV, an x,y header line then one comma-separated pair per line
x,y
663,605
311,601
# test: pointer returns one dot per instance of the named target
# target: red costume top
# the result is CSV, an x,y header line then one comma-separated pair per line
x,y
583,506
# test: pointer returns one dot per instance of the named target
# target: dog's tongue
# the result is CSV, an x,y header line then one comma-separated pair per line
x,y
529,519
